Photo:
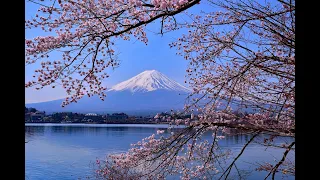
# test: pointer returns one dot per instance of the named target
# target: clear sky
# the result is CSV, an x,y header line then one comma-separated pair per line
x,y
135,58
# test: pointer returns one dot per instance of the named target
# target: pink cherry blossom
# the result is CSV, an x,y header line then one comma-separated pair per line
x,y
241,68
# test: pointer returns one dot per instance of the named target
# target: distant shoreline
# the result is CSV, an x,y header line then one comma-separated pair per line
x,y
103,125
41,122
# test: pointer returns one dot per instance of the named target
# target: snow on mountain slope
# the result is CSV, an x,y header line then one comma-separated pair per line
x,y
149,80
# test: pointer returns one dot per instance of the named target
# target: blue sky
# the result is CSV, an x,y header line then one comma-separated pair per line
x,y
135,58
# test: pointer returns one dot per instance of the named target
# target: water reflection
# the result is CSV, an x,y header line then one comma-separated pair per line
x,y
67,152
32,130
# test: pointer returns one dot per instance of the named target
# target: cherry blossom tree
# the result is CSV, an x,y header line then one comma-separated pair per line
x,y
241,67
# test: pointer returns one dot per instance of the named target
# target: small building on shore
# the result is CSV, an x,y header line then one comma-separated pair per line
x,y
91,117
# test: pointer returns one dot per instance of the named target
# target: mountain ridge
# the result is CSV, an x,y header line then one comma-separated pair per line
x,y
145,92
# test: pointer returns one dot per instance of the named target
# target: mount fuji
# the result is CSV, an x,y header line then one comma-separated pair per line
x,y
146,93
150,80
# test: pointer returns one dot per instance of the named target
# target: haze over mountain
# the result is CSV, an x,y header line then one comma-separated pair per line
x,y
146,93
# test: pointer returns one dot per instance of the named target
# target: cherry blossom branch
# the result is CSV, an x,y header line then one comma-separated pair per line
x,y
236,158
274,169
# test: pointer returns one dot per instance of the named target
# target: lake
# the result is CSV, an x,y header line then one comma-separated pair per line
x,y
69,151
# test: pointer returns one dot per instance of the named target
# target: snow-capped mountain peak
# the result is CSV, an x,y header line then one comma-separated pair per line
x,y
149,80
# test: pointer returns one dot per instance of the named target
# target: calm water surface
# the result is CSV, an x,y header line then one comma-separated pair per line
x,y
69,151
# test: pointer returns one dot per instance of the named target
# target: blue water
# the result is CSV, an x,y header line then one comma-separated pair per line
x,y
69,151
